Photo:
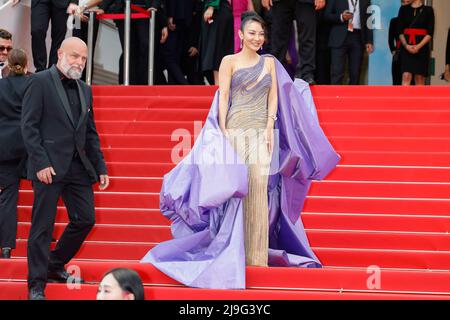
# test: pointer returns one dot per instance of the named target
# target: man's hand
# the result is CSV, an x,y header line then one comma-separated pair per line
x,y
99,11
320,4
369,48
170,24
207,16
347,15
164,35
72,8
45,175
192,52
104,182
267,4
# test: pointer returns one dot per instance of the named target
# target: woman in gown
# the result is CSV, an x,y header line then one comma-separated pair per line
x,y
236,198
416,27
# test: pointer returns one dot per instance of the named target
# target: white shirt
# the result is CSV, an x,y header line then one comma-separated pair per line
x,y
356,16
1,69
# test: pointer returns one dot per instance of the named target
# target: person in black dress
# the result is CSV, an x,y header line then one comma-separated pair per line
x,y
447,59
217,38
394,46
416,28
12,149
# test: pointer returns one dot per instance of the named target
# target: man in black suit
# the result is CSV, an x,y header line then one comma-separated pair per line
x,y
283,15
179,17
349,37
42,11
64,159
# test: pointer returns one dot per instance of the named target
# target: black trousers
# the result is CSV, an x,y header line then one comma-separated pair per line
x,y
78,197
41,14
283,15
172,52
352,49
8,214
82,33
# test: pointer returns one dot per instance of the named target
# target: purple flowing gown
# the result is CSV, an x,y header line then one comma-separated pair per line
x,y
203,196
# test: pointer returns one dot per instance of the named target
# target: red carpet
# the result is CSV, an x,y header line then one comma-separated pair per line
x,y
387,204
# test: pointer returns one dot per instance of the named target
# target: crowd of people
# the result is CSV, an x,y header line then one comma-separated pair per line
x,y
193,36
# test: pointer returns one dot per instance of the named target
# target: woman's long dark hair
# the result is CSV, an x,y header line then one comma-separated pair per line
x,y
128,281
251,16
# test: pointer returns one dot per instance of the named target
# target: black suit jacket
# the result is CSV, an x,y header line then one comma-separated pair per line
x,y
180,10
12,149
339,31
48,129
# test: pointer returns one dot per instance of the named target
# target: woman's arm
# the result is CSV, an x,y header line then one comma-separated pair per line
x,y
225,72
250,6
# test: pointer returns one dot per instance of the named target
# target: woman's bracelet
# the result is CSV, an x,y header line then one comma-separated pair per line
x,y
274,117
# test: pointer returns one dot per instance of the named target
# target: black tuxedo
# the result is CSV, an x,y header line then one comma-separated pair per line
x,y
345,43
59,132
42,11
12,156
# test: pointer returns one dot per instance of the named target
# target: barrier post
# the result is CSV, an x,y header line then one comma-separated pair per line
x,y
151,44
126,54
90,40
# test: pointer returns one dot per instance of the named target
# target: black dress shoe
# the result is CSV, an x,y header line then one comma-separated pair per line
x,y
36,294
6,253
62,276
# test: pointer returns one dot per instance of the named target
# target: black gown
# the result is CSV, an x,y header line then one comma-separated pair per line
x,y
217,38
416,18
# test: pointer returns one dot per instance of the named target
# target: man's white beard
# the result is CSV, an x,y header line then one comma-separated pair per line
x,y
70,71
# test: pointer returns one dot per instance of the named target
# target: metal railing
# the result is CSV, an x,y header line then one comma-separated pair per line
x,y
127,16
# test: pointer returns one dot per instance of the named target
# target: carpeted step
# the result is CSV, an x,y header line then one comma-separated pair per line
x,y
391,240
350,129
332,257
357,116
340,143
330,279
18,291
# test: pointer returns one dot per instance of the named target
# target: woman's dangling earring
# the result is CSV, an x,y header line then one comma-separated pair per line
x,y
242,43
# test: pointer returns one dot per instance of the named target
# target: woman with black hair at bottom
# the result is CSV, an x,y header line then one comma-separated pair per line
x,y
121,284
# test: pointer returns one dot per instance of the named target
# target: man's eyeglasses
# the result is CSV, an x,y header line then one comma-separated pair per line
x,y
3,48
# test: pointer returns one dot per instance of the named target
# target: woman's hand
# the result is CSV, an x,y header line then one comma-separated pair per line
x,y
207,16
269,138
447,73
412,49
164,35
225,132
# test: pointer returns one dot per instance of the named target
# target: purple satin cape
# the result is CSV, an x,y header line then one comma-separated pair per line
x,y
202,196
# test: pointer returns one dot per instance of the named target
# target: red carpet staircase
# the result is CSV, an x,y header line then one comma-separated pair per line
x,y
386,206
